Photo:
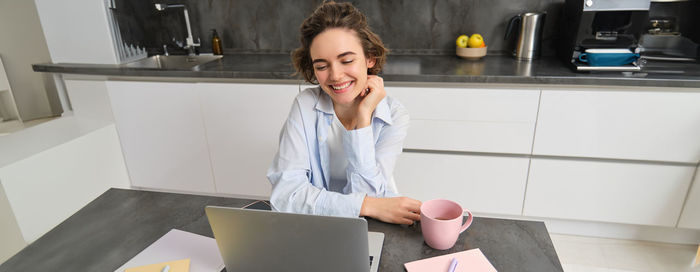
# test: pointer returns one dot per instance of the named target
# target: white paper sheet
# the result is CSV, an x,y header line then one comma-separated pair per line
x,y
175,245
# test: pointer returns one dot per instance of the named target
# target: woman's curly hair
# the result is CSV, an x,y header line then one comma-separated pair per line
x,y
337,15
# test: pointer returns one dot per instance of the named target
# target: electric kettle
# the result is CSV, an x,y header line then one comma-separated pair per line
x,y
529,30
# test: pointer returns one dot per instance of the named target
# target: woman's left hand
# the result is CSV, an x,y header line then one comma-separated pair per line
x,y
371,96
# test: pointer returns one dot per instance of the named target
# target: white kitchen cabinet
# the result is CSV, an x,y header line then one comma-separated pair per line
x,y
243,122
464,119
639,125
162,135
644,194
483,184
690,218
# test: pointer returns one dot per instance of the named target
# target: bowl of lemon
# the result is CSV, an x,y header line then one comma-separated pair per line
x,y
471,47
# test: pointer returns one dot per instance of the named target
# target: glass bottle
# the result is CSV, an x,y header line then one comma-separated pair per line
x,y
216,47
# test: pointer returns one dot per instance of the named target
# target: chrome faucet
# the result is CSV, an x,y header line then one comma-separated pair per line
x,y
190,46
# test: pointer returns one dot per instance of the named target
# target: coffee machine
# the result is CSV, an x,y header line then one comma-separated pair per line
x,y
601,24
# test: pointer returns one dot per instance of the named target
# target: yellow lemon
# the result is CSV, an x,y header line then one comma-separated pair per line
x,y
462,41
476,41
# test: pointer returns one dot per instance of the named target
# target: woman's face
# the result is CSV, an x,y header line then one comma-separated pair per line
x,y
339,64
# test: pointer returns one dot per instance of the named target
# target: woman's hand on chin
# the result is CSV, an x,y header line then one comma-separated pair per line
x,y
396,210
370,98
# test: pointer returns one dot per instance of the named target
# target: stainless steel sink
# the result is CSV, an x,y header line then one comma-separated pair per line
x,y
172,62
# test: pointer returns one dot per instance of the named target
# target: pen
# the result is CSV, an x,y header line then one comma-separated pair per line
x,y
166,268
453,265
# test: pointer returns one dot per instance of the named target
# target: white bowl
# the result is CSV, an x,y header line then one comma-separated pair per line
x,y
471,53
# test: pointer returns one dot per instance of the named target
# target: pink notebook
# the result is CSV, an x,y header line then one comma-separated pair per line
x,y
469,260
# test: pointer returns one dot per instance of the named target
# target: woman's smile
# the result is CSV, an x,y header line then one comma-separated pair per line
x,y
342,87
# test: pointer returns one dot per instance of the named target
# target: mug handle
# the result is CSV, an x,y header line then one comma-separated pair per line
x,y
580,57
470,218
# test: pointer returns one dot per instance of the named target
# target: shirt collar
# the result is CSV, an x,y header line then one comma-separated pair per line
x,y
325,105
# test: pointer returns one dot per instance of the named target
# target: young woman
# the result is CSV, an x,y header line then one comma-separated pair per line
x,y
341,140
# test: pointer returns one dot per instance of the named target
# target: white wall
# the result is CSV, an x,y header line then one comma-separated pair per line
x,y
91,111
10,235
77,31
51,170
47,188
22,45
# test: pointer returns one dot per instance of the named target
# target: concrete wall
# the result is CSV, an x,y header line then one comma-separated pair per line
x,y
408,26
22,45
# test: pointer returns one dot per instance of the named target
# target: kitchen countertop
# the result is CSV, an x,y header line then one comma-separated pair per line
x,y
120,223
413,68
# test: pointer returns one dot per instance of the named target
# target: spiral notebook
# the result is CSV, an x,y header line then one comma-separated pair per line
x,y
472,260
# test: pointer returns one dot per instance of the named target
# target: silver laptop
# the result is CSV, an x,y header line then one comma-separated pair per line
x,y
258,240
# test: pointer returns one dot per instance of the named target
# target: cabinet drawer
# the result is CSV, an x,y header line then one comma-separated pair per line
x,y
658,126
644,194
480,183
478,120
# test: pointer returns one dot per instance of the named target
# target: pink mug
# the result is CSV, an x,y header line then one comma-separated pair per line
x,y
441,222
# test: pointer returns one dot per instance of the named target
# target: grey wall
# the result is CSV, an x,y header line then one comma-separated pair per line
x,y
425,26
420,26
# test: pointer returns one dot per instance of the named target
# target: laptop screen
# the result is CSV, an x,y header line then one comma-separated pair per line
x,y
259,240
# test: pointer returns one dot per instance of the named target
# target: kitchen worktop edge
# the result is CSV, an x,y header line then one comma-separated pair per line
x,y
498,69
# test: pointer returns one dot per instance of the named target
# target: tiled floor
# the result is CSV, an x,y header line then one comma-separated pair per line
x,y
579,254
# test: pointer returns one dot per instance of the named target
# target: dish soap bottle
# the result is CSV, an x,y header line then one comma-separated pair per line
x,y
216,44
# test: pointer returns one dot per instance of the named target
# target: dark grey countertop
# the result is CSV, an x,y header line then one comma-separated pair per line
x,y
415,68
116,226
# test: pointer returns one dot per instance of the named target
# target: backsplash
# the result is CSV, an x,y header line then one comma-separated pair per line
x,y
406,26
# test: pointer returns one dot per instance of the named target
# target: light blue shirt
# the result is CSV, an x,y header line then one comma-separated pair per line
x,y
300,171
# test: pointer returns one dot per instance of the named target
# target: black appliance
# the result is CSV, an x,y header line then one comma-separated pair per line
x,y
602,24
672,34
